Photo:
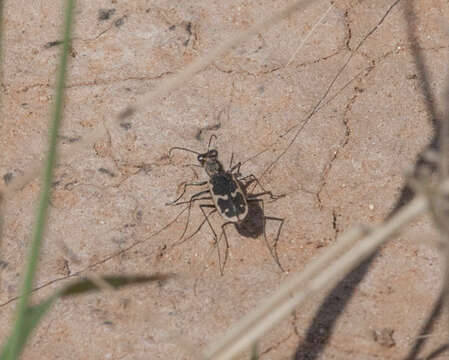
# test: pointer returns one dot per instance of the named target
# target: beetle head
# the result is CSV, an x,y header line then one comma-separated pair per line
x,y
210,163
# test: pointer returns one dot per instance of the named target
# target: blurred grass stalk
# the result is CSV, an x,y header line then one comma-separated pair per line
x,y
42,209
2,117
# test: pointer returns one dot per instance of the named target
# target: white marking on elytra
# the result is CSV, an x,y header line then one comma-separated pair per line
x,y
237,218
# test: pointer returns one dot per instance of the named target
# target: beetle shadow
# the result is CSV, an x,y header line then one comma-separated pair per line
x,y
253,225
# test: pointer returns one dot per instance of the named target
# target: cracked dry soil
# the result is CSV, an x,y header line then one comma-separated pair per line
x,y
333,127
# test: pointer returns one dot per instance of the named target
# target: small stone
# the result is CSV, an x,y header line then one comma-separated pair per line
x,y
105,14
384,337
120,21
7,177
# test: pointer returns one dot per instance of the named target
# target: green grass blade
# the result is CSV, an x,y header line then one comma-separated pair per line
x,y
2,118
34,314
20,324
255,351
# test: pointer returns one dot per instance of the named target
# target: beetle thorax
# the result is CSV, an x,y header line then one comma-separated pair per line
x,y
213,167
209,162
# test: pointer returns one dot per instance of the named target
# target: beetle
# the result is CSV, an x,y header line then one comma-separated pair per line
x,y
228,195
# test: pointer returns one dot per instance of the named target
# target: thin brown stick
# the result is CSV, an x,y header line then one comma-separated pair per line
x,y
323,273
202,62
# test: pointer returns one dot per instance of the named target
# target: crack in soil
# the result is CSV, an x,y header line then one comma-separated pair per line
x,y
335,224
348,30
343,143
96,82
275,346
294,322
320,103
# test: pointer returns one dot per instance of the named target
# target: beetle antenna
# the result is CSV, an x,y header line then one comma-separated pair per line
x,y
181,148
210,140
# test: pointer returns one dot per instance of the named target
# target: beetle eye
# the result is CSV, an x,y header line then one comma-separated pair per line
x,y
200,158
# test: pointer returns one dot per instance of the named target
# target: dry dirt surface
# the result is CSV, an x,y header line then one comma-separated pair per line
x,y
357,74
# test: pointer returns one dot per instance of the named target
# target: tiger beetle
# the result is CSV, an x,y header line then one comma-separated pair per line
x,y
227,191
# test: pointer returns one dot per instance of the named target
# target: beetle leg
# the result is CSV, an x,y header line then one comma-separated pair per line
x,y
230,162
184,190
213,231
223,232
207,219
210,140
204,221
273,197
272,248
198,228
236,166
192,199
221,263
252,178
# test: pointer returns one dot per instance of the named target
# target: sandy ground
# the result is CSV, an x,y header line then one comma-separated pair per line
x,y
344,165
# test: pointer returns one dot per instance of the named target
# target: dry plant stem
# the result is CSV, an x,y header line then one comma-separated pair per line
x,y
309,34
94,278
2,115
444,138
102,284
2,119
443,210
190,70
321,274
